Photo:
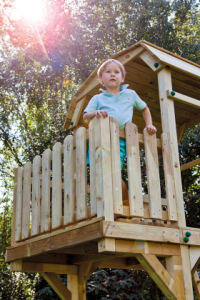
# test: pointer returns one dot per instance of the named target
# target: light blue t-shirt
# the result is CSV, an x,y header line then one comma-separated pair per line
x,y
120,107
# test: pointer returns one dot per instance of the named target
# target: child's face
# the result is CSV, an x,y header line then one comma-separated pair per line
x,y
111,76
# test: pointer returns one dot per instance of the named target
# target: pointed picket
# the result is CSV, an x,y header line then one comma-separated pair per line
x,y
18,224
69,180
26,200
134,171
56,187
45,201
81,174
36,196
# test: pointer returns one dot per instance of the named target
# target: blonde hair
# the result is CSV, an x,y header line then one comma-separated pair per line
x,y
109,61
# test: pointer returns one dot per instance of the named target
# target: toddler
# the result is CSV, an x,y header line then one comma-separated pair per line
x,y
118,102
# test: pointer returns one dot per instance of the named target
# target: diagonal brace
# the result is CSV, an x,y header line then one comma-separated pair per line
x,y
57,285
159,274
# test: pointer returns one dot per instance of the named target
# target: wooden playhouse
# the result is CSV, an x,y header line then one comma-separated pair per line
x,y
56,230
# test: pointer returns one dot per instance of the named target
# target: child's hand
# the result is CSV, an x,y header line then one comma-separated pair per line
x,y
99,113
151,129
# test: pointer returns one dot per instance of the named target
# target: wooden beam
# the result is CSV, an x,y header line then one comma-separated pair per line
x,y
196,284
174,267
160,249
151,60
54,281
120,263
184,99
169,125
62,238
20,266
180,130
190,164
159,274
187,272
194,258
72,285
14,207
77,112
129,231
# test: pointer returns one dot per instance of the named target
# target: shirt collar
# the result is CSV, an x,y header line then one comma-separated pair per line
x,y
121,88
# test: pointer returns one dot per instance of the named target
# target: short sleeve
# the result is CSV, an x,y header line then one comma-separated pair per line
x,y
92,105
139,103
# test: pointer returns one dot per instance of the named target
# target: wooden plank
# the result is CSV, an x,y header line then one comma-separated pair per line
x,y
77,112
169,125
174,267
81,174
116,166
21,266
93,200
126,213
55,241
176,63
184,99
35,224
180,131
196,284
140,232
45,203
104,193
153,178
169,177
14,207
57,285
136,246
194,258
26,201
159,274
19,205
150,60
56,187
187,272
134,171
190,164
72,285
69,196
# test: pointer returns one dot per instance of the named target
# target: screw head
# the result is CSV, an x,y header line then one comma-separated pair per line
x,y
98,233
188,234
173,93
83,278
186,239
101,245
113,225
111,232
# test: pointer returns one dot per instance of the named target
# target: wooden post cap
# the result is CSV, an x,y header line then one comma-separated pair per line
x,y
156,65
173,93
186,239
188,234
71,123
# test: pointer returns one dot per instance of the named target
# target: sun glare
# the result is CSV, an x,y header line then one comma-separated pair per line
x,y
31,10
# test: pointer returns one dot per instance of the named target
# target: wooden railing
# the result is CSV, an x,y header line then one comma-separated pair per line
x,y
52,192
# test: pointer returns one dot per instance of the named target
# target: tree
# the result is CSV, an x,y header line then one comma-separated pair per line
x,y
34,101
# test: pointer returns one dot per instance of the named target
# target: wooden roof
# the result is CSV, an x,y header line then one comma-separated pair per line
x,y
141,75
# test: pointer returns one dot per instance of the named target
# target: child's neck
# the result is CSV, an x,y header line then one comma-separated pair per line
x,y
114,91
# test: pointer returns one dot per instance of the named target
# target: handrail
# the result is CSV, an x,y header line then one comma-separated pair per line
x,y
190,164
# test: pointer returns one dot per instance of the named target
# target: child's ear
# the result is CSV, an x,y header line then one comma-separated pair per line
x,y
123,78
100,80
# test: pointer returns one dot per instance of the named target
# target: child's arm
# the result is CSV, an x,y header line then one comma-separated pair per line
x,y
97,113
148,120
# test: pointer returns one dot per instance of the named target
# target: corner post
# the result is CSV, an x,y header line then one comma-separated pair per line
x,y
169,125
